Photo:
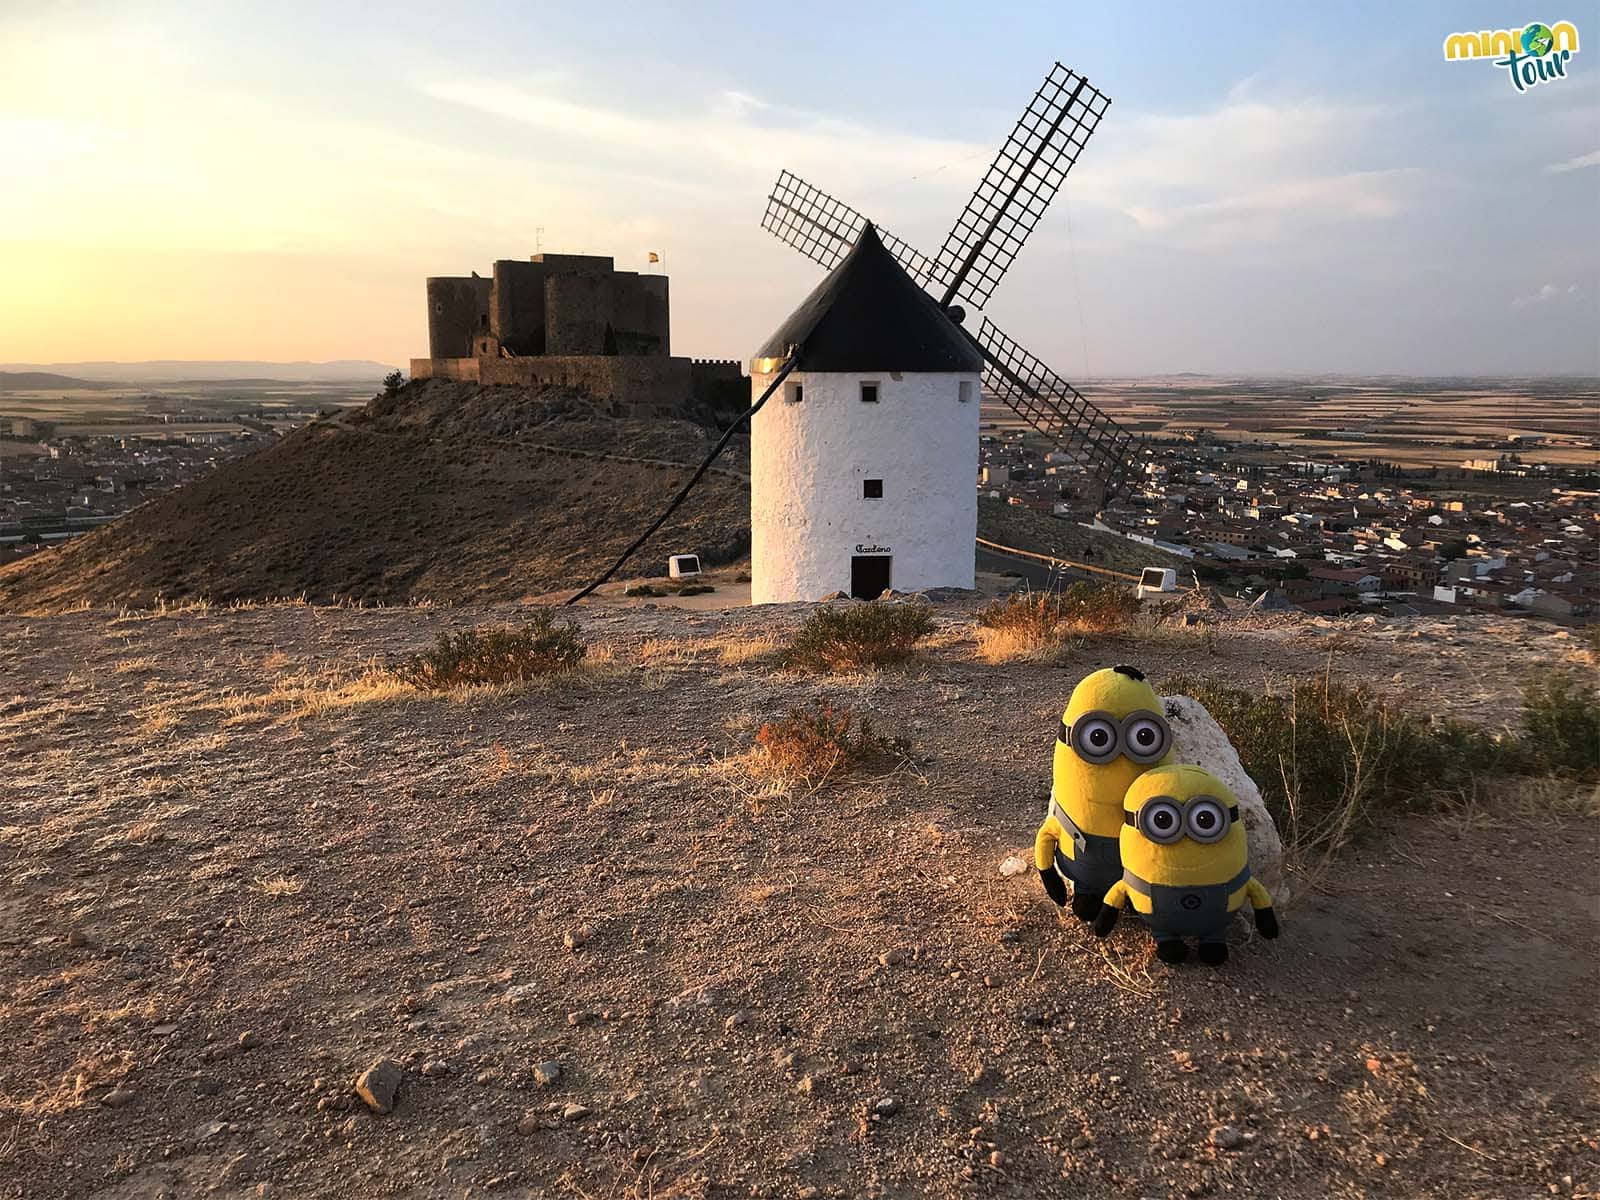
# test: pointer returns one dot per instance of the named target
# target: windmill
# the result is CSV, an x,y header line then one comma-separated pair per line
x,y
1009,201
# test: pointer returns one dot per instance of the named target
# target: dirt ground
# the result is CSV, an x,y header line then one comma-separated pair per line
x,y
236,869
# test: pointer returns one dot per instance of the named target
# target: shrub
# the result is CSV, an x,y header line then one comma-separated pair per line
x,y
1560,729
1026,622
393,382
1328,755
815,742
497,654
860,635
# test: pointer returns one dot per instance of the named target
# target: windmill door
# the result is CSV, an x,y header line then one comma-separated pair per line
x,y
869,575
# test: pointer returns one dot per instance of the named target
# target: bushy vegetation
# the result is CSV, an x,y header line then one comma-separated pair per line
x,y
1329,755
851,637
393,382
497,654
1560,728
1027,622
817,741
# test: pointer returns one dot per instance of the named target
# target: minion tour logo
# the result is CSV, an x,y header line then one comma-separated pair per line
x,y
1533,54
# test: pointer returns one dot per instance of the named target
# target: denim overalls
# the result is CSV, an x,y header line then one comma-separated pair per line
x,y
1200,911
1098,864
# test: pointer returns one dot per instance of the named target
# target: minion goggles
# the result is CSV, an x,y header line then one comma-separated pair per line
x,y
1097,737
1200,818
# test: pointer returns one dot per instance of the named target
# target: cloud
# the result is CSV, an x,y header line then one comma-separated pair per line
x,y
1592,159
1248,171
1547,294
731,133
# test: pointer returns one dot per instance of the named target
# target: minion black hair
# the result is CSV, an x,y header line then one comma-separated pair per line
x,y
1130,672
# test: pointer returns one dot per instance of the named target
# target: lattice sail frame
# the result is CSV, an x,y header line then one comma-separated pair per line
x,y
1050,404
823,228
1018,187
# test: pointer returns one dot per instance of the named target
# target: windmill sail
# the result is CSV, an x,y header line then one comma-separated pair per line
x,y
1019,185
824,229
1028,387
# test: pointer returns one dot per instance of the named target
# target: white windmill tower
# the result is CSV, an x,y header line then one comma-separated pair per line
x,y
862,467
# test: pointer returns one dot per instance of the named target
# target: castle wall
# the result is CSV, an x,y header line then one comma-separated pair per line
x,y
578,312
462,369
516,311
622,385
458,309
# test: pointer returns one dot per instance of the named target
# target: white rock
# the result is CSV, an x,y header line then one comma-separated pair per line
x,y
1014,864
1198,739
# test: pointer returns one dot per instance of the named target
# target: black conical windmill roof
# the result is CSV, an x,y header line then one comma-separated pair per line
x,y
869,315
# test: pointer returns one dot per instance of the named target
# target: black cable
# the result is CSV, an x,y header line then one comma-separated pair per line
x,y
710,458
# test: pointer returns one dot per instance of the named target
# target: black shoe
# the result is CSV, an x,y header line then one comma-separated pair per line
x,y
1084,906
1173,951
1214,954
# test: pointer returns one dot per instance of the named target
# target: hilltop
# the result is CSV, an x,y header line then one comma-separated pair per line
x,y
239,867
445,493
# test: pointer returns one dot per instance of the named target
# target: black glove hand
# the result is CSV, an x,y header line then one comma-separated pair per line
x,y
1055,886
1266,922
1106,921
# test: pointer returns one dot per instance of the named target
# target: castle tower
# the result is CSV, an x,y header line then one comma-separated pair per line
x,y
864,465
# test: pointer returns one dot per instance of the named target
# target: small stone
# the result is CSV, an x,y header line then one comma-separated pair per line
x,y
996,1159
885,1107
735,1020
164,1030
849,1067
546,1073
528,1125
1014,865
580,1017
436,1068
892,958
78,939
249,1040
574,1112
117,1097
1226,1137
574,938
806,1086
379,1084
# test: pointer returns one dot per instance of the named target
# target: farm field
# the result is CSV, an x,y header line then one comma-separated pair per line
x,y
1420,423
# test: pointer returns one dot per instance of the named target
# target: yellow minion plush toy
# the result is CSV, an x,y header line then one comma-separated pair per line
x,y
1185,864
1111,733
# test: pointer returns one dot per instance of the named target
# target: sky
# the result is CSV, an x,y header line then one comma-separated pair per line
x,y
1274,189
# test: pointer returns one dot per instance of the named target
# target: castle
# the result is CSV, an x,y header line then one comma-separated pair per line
x,y
570,319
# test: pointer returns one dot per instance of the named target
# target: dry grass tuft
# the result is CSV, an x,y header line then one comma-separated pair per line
x,y
1036,625
814,743
308,694
858,636
281,885
497,655
134,666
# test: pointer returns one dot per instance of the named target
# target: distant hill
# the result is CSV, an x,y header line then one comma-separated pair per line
x,y
182,370
32,381
439,494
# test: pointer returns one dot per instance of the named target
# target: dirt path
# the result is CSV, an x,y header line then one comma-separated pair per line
x,y
232,876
